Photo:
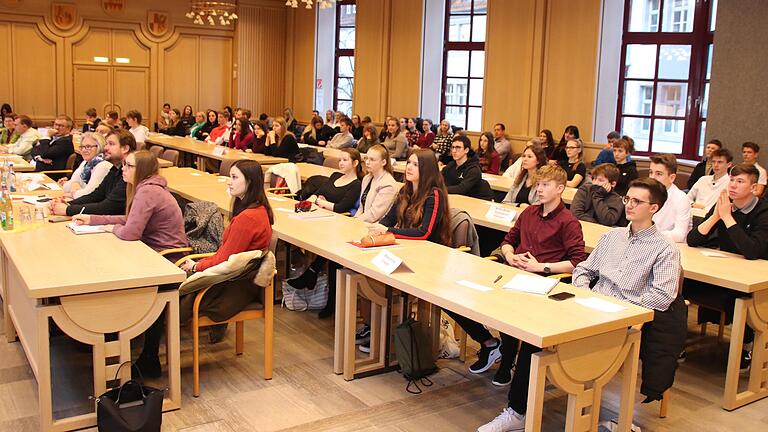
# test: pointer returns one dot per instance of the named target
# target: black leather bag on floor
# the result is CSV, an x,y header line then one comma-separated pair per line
x,y
132,407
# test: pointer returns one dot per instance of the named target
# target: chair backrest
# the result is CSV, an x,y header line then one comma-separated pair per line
x,y
643,172
331,162
71,162
460,233
157,151
226,165
681,180
172,156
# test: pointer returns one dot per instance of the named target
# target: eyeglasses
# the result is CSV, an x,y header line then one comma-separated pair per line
x,y
128,165
457,147
633,202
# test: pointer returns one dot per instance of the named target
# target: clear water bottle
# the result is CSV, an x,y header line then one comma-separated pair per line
x,y
11,178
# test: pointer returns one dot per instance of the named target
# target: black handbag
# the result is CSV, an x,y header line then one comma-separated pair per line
x,y
131,407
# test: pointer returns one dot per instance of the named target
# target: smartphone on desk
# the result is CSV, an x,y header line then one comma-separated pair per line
x,y
56,219
561,296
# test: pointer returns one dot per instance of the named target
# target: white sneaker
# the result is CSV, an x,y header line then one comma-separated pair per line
x,y
507,421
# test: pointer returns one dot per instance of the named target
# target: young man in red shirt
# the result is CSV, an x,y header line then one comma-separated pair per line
x,y
546,239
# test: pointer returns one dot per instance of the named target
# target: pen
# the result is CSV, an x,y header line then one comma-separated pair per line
x,y
82,210
498,278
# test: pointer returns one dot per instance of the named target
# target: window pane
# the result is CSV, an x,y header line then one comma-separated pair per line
x,y
712,17
461,6
674,61
347,66
478,28
668,136
644,16
347,15
709,62
638,129
455,91
671,98
641,61
475,92
345,107
456,116
705,101
678,16
344,87
638,97
457,63
702,133
347,38
477,69
481,6
458,28
475,119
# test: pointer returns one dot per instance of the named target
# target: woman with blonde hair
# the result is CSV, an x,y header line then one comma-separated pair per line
x,y
378,188
281,142
89,175
574,167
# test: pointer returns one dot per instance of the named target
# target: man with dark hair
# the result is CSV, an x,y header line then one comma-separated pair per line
x,y
28,136
113,119
674,218
109,197
344,138
705,166
500,141
750,152
52,153
139,131
92,120
738,223
597,202
606,154
706,190
463,175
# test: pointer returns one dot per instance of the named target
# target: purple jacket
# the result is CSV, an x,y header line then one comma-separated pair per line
x,y
155,217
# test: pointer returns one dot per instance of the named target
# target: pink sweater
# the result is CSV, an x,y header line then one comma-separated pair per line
x,y
155,217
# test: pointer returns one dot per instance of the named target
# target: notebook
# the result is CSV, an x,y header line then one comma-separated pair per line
x,y
531,284
85,229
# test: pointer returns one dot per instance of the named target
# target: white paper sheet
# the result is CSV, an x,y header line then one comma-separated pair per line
x,y
531,284
85,229
713,254
599,304
473,285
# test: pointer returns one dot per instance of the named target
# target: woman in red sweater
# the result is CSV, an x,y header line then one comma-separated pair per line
x,y
243,139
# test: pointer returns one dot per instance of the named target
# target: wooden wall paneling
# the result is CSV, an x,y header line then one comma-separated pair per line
x,y
125,44
181,72
35,61
6,73
570,65
372,59
508,68
93,88
131,89
95,43
215,73
300,63
404,90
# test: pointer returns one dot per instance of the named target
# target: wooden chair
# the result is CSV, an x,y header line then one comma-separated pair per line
x,y
68,168
225,166
157,151
172,156
331,162
278,186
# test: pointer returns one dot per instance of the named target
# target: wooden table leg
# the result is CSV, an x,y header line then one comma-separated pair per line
x,y
340,321
582,368
752,311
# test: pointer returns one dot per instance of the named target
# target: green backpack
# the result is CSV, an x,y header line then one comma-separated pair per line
x,y
414,353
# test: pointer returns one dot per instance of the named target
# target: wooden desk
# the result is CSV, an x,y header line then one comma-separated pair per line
x,y
205,151
194,185
19,164
307,170
109,298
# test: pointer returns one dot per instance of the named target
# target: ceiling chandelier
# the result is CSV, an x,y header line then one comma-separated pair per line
x,y
211,11
324,4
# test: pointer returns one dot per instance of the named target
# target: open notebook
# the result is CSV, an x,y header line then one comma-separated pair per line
x,y
85,229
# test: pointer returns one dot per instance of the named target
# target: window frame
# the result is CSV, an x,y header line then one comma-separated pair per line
x,y
699,40
467,46
342,52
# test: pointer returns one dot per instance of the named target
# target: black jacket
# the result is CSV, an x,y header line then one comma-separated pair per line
x,y
91,127
628,172
593,203
203,132
57,150
660,344
288,148
325,133
179,130
697,173
749,237
107,199
467,179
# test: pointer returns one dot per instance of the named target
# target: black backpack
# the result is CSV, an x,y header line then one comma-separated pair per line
x,y
414,353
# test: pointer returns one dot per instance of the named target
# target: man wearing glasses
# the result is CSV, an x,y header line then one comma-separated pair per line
x,y
639,265
109,197
51,153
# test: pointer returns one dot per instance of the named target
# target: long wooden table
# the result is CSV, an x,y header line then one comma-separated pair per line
x,y
571,358
204,151
19,164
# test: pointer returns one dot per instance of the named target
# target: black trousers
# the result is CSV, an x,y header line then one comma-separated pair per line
x,y
718,298
480,334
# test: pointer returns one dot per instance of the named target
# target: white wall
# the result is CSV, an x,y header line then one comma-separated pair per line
x,y
432,59
325,45
609,66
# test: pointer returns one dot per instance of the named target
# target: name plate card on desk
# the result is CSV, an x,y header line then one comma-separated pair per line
x,y
219,150
388,262
502,213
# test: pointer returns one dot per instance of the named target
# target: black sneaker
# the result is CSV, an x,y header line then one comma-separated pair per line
x,y
486,357
502,377
365,347
216,333
746,361
363,335
148,367
682,357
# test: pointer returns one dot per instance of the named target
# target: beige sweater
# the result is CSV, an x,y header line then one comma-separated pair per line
x,y
380,197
